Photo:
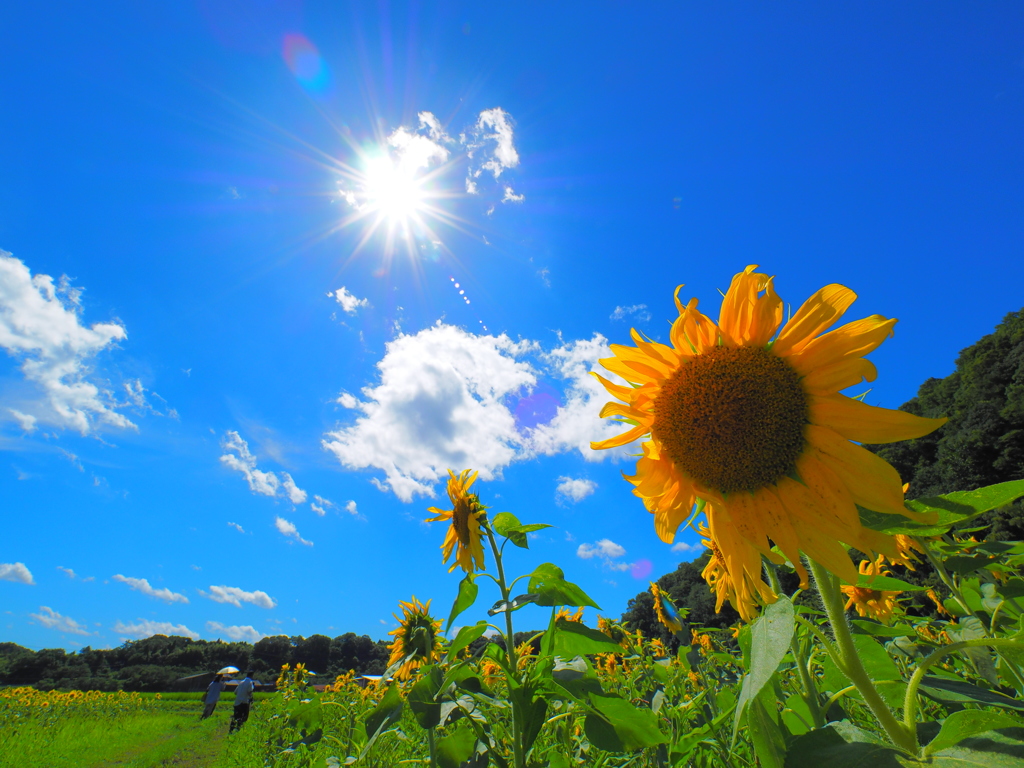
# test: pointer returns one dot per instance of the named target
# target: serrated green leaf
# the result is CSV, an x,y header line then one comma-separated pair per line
x,y
993,749
421,697
467,596
964,564
765,733
618,726
575,639
841,745
966,723
503,522
770,637
946,691
465,637
548,582
887,584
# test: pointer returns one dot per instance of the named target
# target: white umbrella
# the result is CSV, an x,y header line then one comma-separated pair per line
x,y
228,671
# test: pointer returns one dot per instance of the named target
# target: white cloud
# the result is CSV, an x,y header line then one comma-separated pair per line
x,y
574,489
578,421
237,527
16,572
246,633
682,546
143,586
26,421
348,301
70,573
606,550
492,138
640,310
144,628
347,401
263,483
350,507
443,402
511,196
50,619
295,494
439,404
236,597
40,325
287,528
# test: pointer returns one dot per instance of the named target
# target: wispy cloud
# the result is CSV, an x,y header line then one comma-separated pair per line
x,y
143,586
143,628
241,459
574,489
287,528
237,527
682,546
40,325
605,550
348,300
235,596
639,310
16,572
50,619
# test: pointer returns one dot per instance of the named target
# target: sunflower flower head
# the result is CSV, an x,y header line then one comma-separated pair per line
x,y
873,603
666,610
567,615
745,415
417,638
466,516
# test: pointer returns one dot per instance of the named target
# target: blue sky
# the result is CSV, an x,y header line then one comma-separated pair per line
x,y
236,366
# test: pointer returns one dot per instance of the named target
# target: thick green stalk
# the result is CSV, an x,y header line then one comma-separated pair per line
x,y
433,748
510,648
851,666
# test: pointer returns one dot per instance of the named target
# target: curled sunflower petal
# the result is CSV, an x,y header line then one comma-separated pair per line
x,y
820,312
865,423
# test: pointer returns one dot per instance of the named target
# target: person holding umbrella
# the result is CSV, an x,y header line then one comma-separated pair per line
x,y
243,698
214,690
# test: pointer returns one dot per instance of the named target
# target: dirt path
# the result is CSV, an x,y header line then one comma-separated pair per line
x,y
194,746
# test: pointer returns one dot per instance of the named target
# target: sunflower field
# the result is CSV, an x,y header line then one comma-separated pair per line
x,y
748,439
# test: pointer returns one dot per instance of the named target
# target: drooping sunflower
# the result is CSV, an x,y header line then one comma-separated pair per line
x,y
417,638
666,610
875,603
749,419
466,515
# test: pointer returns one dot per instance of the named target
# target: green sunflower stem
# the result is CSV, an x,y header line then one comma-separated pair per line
x,y
831,596
433,748
518,754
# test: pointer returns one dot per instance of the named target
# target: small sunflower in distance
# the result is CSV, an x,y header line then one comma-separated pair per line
x,y
873,603
666,610
418,637
749,419
466,515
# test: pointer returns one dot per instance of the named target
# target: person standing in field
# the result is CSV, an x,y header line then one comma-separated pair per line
x,y
243,698
213,695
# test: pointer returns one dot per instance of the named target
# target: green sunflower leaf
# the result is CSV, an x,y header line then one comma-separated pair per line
x,y
503,522
951,509
770,636
466,597
466,636
388,711
887,584
575,639
548,582
946,691
457,747
966,723
618,726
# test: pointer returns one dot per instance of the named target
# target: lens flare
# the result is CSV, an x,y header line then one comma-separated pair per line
x,y
306,63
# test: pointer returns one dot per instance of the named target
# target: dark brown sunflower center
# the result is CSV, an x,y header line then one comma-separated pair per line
x,y
732,418
462,511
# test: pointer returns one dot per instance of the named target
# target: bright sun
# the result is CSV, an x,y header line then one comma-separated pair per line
x,y
392,189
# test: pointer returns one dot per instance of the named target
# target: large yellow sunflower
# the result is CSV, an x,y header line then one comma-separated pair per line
x,y
418,637
750,420
466,514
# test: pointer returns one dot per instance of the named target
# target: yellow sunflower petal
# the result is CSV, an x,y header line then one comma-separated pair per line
x,y
615,390
865,423
839,375
872,481
747,318
819,312
660,352
633,371
622,439
854,339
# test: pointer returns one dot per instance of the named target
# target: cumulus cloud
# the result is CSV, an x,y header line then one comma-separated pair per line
x,y
245,634
443,400
143,586
144,628
605,550
241,459
287,528
295,494
440,403
235,596
511,196
578,421
40,325
640,310
67,571
16,572
350,507
347,401
50,619
348,301
574,489
491,141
